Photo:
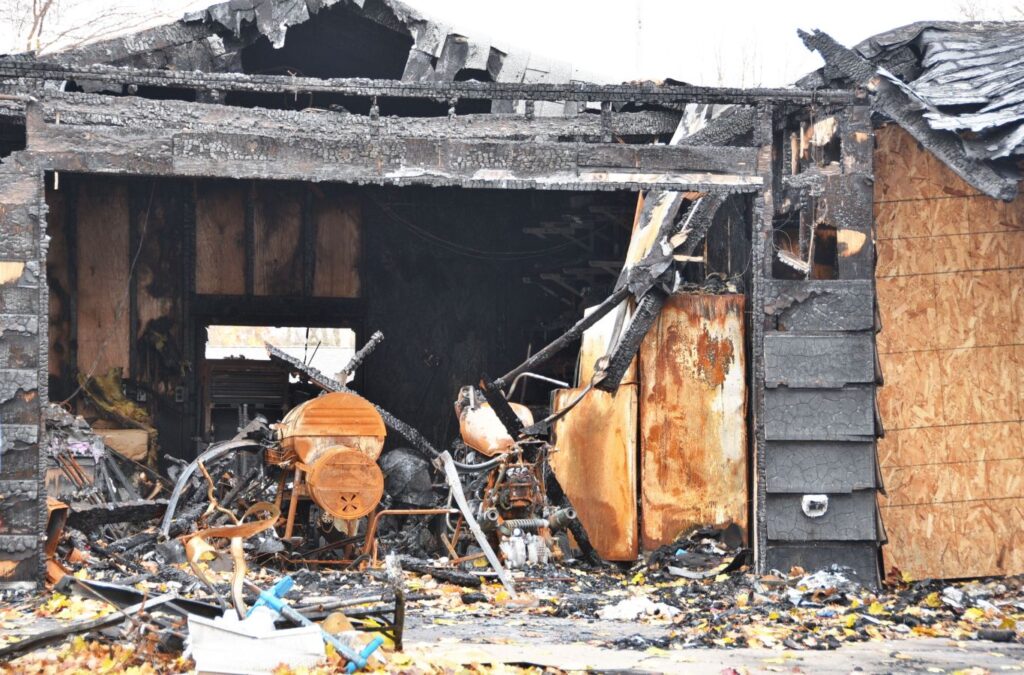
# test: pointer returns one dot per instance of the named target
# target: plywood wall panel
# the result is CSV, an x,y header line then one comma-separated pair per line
x,y
103,260
337,219
693,417
917,375
159,272
596,465
220,237
277,222
949,290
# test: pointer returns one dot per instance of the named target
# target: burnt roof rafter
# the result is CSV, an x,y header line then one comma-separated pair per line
x,y
646,92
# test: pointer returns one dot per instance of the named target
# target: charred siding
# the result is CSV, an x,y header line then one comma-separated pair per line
x,y
819,412
23,347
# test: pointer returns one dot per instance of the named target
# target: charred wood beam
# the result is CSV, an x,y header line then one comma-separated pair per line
x,y
499,404
87,517
890,100
361,159
130,111
729,127
331,312
440,91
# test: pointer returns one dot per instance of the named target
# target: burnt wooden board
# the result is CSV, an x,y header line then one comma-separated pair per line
x,y
277,225
595,463
220,237
337,218
826,361
693,396
821,306
861,557
820,414
819,466
849,517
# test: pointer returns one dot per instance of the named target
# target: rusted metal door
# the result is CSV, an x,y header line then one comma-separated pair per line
x,y
693,429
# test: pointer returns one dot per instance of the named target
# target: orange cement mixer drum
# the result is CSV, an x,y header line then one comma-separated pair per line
x,y
346,483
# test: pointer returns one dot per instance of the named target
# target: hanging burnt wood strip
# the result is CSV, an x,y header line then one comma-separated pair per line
x,y
909,114
466,90
827,361
697,224
647,311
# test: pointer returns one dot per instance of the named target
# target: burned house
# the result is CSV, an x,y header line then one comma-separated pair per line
x,y
348,164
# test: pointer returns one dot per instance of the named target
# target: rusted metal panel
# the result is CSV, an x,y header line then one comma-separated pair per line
x,y
693,428
595,463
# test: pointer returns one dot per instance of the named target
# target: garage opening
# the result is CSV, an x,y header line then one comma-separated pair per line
x,y
165,291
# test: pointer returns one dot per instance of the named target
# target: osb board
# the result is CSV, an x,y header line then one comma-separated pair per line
x,y
337,219
950,534
693,426
277,224
58,279
951,387
595,463
220,237
103,259
950,310
951,300
594,345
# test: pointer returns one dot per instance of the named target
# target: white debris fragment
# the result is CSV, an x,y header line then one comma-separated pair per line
x,y
637,607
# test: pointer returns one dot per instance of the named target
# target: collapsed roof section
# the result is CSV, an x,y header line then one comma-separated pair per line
x,y
380,39
955,86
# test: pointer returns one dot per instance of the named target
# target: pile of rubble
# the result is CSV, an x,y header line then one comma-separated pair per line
x,y
293,544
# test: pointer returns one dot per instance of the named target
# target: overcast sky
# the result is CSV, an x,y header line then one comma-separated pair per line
x,y
731,42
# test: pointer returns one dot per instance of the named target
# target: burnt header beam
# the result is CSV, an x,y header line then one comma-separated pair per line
x,y
440,91
178,139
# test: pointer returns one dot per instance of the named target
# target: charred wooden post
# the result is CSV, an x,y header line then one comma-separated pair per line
x,y
23,372
815,377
